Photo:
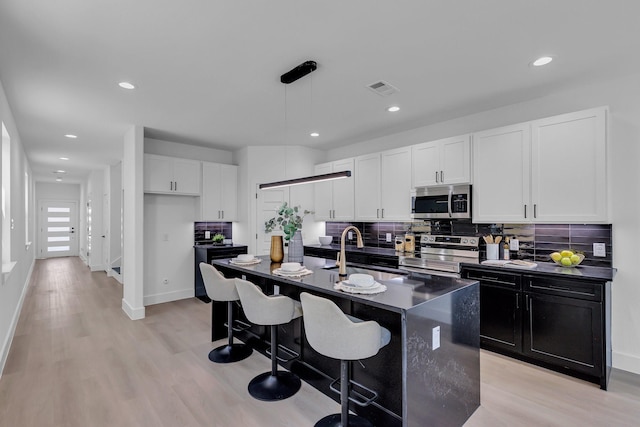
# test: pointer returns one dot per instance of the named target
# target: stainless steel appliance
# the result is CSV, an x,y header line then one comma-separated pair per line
x,y
453,201
441,255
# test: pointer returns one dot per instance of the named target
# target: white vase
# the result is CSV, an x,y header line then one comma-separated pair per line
x,y
296,249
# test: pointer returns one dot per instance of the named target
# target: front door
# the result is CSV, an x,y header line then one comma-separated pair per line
x,y
58,226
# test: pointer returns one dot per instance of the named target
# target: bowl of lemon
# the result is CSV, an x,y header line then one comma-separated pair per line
x,y
567,258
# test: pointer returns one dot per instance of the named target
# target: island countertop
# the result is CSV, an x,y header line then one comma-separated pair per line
x,y
404,290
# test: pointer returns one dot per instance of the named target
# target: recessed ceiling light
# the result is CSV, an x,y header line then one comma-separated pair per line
x,y
60,171
393,109
126,85
314,134
71,136
64,158
58,179
544,60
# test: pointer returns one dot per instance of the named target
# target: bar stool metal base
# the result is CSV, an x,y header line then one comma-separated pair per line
x,y
230,353
335,420
271,387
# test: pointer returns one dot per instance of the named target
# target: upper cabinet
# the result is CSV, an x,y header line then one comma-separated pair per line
x,y
171,175
552,170
334,200
442,162
219,192
383,185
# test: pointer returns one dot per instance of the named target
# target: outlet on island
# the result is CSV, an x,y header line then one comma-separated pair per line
x,y
165,281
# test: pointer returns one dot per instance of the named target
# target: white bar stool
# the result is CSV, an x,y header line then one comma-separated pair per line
x,y
272,311
332,333
220,289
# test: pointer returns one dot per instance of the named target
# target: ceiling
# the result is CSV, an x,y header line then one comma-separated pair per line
x,y
208,72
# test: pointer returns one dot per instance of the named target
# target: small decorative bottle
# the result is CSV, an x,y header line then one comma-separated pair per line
x,y
505,248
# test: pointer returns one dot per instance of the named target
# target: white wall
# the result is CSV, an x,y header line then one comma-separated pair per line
x,y
115,215
13,286
186,151
168,250
56,191
622,95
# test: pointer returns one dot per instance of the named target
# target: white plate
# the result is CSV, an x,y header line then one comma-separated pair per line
x,y
378,288
289,273
253,261
347,283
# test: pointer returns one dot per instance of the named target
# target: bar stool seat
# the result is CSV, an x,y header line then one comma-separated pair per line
x,y
221,289
334,334
271,311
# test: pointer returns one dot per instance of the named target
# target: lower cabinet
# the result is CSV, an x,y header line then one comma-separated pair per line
x,y
386,261
559,323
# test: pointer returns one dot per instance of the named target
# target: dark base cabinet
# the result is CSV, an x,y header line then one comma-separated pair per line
x,y
559,323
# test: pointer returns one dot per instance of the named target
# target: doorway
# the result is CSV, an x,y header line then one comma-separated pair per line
x,y
58,226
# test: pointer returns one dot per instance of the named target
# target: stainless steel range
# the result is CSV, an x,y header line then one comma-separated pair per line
x,y
441,255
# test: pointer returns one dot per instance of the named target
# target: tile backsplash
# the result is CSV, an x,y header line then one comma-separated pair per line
x,y
537,241
199,228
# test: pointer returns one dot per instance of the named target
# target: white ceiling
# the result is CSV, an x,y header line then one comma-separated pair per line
x,y
208,72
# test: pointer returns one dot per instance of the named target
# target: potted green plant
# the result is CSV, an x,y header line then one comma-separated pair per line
x,y
288,219
218,239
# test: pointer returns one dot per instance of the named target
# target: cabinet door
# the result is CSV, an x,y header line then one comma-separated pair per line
x,y
395,184
455,160
501,178
425,164
186,176
343,192
229,192
323,195
367,187
564,331
569,180
211,192
500,318
158,174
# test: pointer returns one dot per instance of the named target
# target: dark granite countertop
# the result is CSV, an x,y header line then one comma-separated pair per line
x,y
354,248
212,246
404,291
551,269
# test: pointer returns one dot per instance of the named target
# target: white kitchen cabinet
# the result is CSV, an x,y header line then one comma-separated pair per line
x,y
170,175
569,167
442,162
334,200
501,174
219,199
552,170
383,185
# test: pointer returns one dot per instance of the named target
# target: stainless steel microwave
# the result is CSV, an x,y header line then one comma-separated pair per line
x,y
453,201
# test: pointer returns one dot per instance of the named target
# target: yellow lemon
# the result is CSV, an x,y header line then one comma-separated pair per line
x,y
566,261
566,254
575,259
556,256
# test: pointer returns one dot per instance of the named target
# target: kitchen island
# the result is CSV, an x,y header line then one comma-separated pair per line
x,y
429,374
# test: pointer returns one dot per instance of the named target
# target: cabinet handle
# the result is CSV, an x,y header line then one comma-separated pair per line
x,y
222,214
175,185
382,212
377,213
525,211
535,210
441,176
436,176
526,297
171,185
517,300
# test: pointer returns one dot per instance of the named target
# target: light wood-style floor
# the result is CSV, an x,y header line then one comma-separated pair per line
x,y
77,360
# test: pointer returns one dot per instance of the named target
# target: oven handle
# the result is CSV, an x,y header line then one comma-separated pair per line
x,y
429,271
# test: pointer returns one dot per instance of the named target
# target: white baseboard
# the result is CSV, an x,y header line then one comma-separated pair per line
x,y
99,267
6,345
626,362
168,296
115,275
133,313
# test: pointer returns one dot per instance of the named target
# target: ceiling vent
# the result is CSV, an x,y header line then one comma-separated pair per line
x,y
382,88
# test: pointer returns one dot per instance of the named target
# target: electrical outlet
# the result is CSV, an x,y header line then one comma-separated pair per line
x,y
435,338
389,237
350,235
599,249
207,234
